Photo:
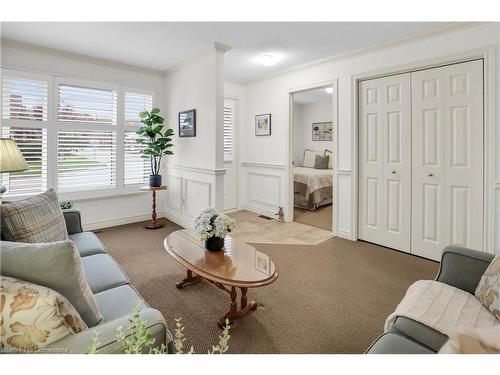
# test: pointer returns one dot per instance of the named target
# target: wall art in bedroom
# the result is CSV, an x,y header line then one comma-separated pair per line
x,y
263,124
187,123
322,131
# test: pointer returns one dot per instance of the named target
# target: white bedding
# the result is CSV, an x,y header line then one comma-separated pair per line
x,y
314,179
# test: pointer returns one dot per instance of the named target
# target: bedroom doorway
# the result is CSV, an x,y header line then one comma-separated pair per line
x,y
313,145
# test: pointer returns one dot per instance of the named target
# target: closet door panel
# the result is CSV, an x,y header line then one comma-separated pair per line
x,y
427,162
384,162
464,154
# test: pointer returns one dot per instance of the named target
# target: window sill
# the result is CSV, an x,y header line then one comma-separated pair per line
x,y
99,194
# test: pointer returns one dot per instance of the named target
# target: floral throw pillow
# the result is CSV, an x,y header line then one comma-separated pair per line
x,y
488,290
33,316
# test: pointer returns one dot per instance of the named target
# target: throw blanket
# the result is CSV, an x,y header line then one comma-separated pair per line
x,y
442,307
313,179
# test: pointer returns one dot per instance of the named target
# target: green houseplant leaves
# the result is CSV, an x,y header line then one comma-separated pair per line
x,y
158,143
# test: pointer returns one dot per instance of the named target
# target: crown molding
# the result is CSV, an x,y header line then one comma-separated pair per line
x,y
393,43
78,57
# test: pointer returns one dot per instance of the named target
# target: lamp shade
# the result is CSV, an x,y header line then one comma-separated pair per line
x,y
11,159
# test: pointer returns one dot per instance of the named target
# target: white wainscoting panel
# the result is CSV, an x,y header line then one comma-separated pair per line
x,y
262,187
190,191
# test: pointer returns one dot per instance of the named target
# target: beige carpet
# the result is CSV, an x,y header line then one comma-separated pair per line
x,y
320,218
330,298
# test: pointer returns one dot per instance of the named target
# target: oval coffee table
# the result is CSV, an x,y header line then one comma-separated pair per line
x,y
238,265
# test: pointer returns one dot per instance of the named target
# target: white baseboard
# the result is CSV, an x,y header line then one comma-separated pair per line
x,y
344,234
258,210
177,220
121,221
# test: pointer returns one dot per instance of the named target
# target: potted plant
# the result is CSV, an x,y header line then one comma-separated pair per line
x,y
212,227
157,143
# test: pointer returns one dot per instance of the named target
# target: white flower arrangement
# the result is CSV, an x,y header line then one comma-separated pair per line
x,y
211,224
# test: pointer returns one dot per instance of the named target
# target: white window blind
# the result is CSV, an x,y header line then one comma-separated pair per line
x,y
24,99
86,105
137,169
134,104
32,143
86,160
228,132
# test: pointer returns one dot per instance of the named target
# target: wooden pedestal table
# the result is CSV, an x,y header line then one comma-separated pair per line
x,y
237,266
155,224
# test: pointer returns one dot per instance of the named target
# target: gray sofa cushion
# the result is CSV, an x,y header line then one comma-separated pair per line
x,y
87,243
117,302
103,273
419,332
391,343
55,265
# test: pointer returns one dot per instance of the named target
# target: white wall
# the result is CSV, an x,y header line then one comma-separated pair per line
x,y
304,115
196,170
272,96
106,211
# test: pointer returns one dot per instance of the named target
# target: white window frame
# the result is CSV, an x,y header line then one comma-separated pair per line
x,y
53,125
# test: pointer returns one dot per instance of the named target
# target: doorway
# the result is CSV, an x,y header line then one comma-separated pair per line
x,y
313,146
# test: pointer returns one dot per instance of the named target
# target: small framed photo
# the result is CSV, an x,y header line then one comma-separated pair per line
x,y
322,131
263,124
187,123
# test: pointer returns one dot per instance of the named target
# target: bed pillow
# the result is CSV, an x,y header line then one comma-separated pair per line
x,y
330,158
310,158
488,290
321,162
57,266
34,316
34,220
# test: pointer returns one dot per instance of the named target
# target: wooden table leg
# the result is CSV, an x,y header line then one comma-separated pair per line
x,y
189,280
154,223
233,312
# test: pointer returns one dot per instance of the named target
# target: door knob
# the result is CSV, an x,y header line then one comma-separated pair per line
x,y
430,174
393,172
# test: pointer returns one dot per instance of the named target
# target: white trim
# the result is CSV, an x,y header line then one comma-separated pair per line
x,y
258,210
215,172
335,143
263,201
488,56
124,220
405,39
342,233
250,164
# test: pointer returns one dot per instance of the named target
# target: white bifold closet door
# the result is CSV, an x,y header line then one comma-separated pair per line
x,y
447,158
421,159
385,161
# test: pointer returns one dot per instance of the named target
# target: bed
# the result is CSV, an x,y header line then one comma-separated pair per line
x,y
313,188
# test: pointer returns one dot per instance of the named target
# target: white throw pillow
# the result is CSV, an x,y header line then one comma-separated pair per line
x,y
330,158
310,158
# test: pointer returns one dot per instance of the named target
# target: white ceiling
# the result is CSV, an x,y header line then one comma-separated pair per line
x,y
317,95
162,45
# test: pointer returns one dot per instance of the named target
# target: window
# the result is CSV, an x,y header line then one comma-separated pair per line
x,y
86,105
136,168
86,160
72,148
24,119
228,129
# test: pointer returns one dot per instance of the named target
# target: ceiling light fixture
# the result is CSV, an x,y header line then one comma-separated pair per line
x,y
268,59
329,90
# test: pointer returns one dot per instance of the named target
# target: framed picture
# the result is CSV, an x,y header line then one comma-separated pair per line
x,y
262,262
263,124
322,131
187,123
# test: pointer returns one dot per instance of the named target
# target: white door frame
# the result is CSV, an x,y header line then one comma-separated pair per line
x,y
490,186
289,169
236,142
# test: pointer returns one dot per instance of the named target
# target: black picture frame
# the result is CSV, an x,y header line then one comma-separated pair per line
x,y
262,132
184,130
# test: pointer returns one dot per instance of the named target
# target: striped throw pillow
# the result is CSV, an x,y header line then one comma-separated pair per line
x,y
38,219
